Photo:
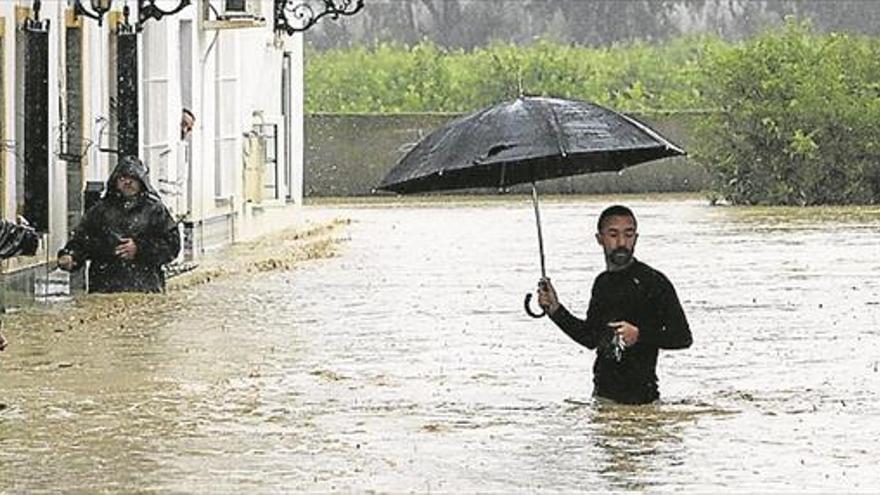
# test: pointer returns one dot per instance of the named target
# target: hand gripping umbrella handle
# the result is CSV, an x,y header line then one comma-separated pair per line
x,y
529,308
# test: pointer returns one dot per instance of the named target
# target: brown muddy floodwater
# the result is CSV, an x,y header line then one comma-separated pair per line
x,y
406,363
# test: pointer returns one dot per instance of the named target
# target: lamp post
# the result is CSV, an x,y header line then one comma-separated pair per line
x,y
292,16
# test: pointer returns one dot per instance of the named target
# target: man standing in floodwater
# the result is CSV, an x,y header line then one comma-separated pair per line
x,y
633,313
128,235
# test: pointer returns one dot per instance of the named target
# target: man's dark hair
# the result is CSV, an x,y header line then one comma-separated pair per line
x,y
614,211
189,112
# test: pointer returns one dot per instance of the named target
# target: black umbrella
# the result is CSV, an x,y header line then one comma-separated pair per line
x,y
526,140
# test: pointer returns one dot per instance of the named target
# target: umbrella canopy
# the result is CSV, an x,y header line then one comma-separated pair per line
x,y
526,140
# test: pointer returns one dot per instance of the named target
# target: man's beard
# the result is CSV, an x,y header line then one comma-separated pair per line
x,y
129,202
620,257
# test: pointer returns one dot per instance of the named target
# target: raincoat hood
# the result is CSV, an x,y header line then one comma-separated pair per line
x,y
132,166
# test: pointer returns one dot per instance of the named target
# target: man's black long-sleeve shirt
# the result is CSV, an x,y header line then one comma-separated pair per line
x,y
644,297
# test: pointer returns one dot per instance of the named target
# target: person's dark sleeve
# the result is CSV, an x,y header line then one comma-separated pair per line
x,y
85,242
673,331
163,245
17,239
584,332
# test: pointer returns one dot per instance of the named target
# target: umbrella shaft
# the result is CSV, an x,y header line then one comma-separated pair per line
x,y
538,222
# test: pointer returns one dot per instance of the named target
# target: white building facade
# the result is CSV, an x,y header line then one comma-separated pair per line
x,y
237,175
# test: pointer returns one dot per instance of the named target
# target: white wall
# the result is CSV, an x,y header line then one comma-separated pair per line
x,y
236,76
294,46
7,10
57,168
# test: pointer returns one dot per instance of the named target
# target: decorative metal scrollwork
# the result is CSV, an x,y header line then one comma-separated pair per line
x,y
98,9
293,16
147,10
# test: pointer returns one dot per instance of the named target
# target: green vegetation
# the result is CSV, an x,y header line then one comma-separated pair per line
x,y
800,119
794,116
425,78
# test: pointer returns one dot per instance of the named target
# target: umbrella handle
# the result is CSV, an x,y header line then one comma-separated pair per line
x,y
529,309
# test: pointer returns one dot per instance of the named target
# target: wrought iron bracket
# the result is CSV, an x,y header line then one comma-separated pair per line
x,y
147,10
292,16
97,12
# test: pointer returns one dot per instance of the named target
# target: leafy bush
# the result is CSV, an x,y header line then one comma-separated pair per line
x,y
800,119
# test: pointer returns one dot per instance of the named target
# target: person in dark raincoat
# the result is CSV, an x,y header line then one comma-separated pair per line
x,y
633,313
128,235
16,239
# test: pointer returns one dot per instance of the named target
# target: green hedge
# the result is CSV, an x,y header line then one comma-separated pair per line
x,y
425,78
795,120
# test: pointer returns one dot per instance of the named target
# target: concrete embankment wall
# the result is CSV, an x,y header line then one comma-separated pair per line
x,y
348,154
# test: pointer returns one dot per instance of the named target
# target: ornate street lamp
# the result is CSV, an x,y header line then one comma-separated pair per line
x,y
146,9
293,16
